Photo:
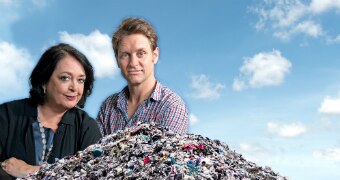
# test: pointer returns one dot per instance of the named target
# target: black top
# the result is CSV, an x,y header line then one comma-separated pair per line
x,y
76,131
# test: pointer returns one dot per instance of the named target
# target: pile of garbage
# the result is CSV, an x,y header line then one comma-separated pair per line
x,y
152,152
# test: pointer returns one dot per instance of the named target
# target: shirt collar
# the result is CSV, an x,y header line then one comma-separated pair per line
x,y
157,92
155,95
69,117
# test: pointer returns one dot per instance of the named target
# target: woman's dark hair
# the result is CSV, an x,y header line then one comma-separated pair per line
x,y
46,65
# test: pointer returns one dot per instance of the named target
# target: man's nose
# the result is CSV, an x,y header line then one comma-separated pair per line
x,y
133,60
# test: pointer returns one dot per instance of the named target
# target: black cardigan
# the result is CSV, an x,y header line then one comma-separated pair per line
x,y
75,132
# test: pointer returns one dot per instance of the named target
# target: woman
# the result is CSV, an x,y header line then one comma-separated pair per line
x,y
49,125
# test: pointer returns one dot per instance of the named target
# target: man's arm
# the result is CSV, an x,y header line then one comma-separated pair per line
x,y
175,117
101,120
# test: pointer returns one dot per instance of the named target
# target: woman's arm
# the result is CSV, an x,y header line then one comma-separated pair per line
x,y
18,168
90,133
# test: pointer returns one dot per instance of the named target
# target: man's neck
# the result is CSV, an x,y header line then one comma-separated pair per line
x,y
139,93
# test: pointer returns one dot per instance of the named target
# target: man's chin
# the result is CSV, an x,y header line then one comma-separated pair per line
x,y
134,81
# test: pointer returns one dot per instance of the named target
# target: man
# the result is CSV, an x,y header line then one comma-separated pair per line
x,y
144,99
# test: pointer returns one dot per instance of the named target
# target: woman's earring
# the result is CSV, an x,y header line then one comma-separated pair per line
x,y
44,89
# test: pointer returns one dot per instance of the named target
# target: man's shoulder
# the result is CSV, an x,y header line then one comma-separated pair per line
x,y
165,91
112,99
169,95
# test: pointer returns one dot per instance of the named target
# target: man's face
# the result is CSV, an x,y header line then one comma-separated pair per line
x,y
136,59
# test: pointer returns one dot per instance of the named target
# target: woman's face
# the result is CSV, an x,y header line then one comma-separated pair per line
x,y
66,84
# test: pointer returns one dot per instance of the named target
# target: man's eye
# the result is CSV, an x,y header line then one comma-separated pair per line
x,y
64,78
124,55
140,54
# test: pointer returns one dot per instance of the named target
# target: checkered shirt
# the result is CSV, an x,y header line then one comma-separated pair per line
x,y
163,107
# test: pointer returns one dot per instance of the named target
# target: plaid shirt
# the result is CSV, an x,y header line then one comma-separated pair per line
x,y
163,107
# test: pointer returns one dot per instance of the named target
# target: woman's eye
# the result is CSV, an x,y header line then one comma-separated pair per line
x,y
64,78
81,81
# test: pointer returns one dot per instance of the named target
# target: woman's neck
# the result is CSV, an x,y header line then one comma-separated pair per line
x,y
48,117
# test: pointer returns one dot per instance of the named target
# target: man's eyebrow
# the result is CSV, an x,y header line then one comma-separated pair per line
x,y
122,51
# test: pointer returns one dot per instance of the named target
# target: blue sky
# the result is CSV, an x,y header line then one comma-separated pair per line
x,y
262,76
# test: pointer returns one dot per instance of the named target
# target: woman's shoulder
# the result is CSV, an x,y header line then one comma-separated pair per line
x,y
15,103
17,111
16,106
83,115
86,121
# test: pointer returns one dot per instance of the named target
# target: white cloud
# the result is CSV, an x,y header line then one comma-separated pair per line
x,y
19,3
254,151
16,65
286,130
193,119
283,35
13,10
320,6
308,27
204,89
5,3
279,13
286,18
334,40
330,106
97,48
264,69
239,85
332,154
285,14
9,14
41,3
